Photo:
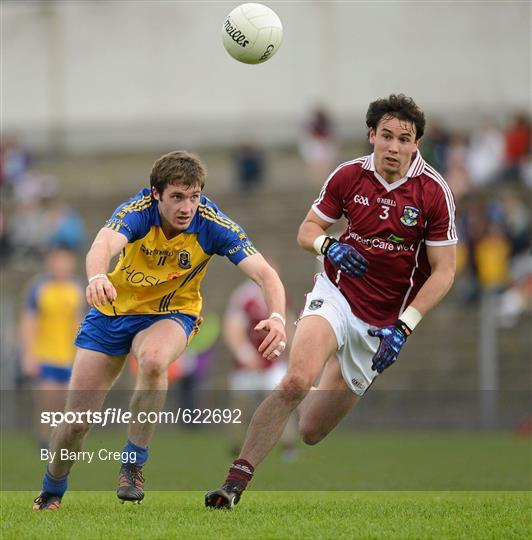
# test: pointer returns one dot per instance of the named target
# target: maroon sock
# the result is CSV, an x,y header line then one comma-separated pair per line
x,y
240,471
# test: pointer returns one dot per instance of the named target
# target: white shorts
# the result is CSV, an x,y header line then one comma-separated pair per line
x,y
355,347
253,379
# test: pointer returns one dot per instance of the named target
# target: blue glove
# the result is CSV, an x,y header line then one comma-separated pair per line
x,y
392,340
345,257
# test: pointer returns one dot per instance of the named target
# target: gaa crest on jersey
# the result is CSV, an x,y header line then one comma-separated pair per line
x,y
315,304
409,217
183,258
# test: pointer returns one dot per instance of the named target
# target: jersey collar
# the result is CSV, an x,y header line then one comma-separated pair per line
x,y
416,168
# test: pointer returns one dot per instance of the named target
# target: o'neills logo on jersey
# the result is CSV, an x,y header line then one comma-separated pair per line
x,y
388,202
235,34
358,384
157,252
380,243
360,199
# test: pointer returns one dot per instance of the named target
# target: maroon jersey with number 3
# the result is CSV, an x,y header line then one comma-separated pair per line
x,y
390,225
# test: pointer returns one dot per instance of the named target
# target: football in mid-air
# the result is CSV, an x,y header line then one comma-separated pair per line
x,y
252,33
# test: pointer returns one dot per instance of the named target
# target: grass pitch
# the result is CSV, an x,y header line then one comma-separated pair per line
x,y
276,515
182,460
379,485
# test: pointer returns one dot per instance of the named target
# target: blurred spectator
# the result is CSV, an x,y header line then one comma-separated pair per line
x,y
38,222
27,231
492,254
486,154
249,165
434,146
34,185
517,222
15,161
517,299
65,226
318,146
517,148
456,166
50,319
4,241
471,223
252,376
526,171
495,231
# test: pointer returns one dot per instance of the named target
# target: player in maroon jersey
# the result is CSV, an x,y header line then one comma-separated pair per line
x,y
394,262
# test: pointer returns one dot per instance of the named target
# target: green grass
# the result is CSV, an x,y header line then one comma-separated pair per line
x,y
346,460
373,485
292,515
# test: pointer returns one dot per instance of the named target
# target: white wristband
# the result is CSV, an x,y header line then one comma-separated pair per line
x,y
318,243
98,276
276,315
411,317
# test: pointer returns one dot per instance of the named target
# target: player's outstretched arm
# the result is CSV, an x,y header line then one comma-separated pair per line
x,y
256,268
311,236
442,261
106,245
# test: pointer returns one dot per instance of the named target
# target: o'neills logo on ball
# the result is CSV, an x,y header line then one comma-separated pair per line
x,y
267,52
236,35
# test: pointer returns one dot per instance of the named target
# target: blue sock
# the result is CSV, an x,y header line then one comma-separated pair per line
x,y
134,454
55,486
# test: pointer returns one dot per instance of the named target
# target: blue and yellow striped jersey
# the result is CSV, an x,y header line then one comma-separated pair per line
x,y
158,275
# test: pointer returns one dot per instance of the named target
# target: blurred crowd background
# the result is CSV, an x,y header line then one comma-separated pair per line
x,y
79,136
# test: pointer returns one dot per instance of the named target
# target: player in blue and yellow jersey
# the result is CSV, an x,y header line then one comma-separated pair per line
x,y
150,305
52,312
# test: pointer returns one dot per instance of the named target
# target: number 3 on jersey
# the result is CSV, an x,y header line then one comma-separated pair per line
x,y
385,211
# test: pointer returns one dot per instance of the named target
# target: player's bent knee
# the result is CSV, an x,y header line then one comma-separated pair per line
x,y
152,365
293,387
310,435
76,430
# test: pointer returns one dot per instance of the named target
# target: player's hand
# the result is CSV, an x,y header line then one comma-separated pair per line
x,y
274,343
346,258
392,338
99,291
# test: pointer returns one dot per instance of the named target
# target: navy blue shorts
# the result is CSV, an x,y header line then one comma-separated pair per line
x,y
114,335
58,374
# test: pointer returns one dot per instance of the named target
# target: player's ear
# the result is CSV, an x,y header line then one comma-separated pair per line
x,y
371,135
155,193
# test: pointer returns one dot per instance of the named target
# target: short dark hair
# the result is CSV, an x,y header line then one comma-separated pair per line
x,y
177,167
396,106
